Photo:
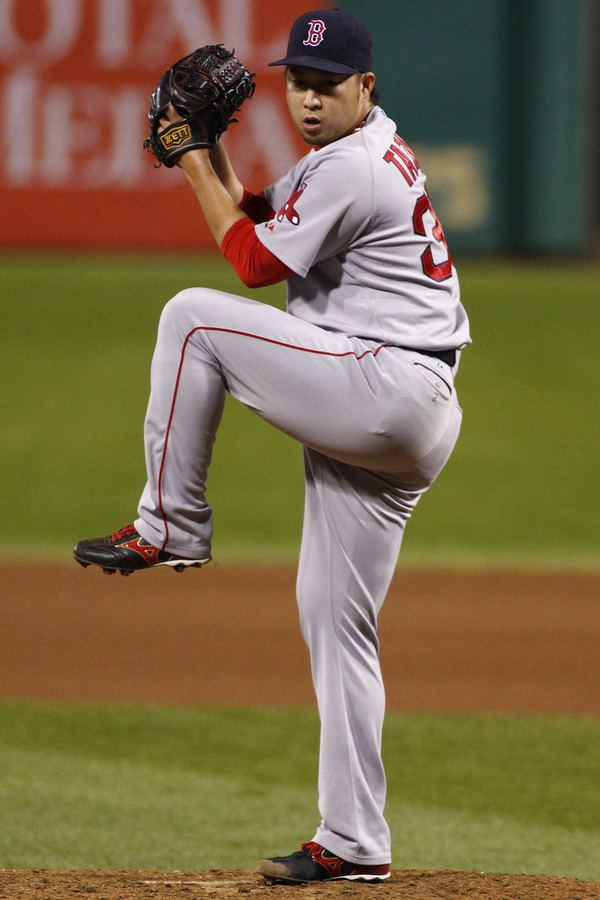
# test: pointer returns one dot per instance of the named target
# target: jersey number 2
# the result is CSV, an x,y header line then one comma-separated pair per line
x,y
437,271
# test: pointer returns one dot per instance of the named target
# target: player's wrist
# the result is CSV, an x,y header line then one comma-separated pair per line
x,y
196,160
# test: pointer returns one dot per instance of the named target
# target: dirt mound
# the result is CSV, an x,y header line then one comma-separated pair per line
x,y
225,885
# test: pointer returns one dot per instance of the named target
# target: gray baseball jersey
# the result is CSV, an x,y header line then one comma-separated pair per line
x,y
355,222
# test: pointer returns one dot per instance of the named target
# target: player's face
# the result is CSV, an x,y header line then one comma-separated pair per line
x,y
324,106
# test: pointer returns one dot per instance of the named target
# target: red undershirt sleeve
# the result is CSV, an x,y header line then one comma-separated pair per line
x,y
253,263
256,206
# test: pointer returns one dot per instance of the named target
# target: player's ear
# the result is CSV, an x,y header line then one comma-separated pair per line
x,y
367,82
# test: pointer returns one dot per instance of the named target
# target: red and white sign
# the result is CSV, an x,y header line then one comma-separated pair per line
x,y
75,82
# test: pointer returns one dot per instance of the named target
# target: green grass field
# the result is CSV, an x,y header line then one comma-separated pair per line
x,y
118,787
75,349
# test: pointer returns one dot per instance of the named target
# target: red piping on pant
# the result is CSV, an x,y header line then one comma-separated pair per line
x,y
257,337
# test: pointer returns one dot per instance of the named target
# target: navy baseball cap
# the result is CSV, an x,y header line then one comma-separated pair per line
x,y
330,40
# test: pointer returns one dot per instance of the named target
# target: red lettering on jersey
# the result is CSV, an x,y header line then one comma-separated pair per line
x,y
437,271
401,156
315,33
288,210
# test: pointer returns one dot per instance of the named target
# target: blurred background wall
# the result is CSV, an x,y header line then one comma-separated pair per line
x,y
499,99
75,81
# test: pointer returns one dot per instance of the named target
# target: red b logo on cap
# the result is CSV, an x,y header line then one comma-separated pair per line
x,y
315,33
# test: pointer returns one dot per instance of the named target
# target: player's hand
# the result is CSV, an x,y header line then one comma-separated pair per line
x,y
170,117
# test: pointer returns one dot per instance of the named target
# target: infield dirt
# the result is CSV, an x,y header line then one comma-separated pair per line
x,y
476,641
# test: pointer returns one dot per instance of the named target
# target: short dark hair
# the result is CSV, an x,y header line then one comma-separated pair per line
x,y
375,95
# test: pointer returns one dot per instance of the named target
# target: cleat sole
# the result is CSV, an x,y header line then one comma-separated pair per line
x,y
177,566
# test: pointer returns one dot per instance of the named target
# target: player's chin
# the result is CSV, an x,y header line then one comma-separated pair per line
x,y
315,139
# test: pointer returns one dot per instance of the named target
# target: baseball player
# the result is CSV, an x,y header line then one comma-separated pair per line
x,y
359,370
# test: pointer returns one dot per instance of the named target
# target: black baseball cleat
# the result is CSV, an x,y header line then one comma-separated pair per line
x,y
314,863
126,551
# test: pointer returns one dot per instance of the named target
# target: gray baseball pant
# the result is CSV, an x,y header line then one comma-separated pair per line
x,y
377,425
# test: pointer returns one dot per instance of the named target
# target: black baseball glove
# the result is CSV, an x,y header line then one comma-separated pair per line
x,y
206,88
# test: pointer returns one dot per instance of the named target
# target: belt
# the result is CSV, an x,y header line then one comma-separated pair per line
x,y
446,356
